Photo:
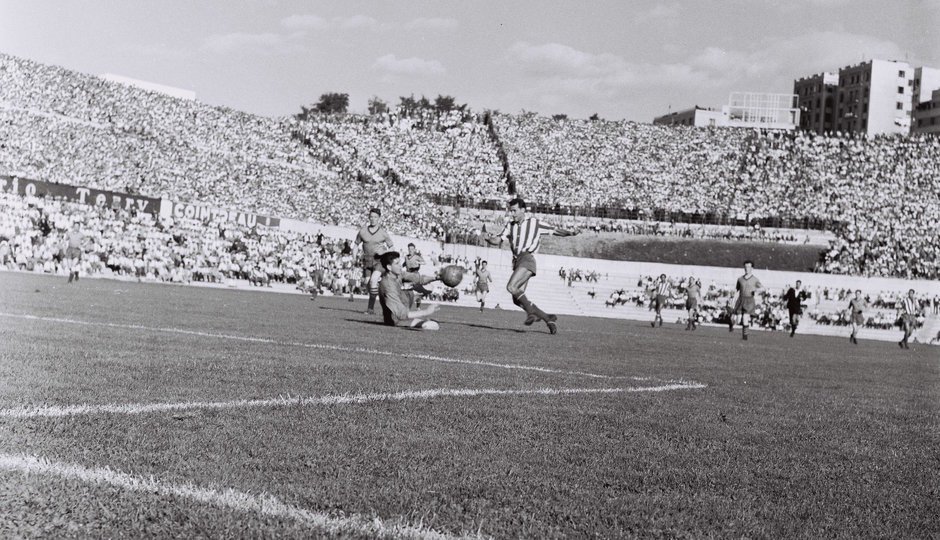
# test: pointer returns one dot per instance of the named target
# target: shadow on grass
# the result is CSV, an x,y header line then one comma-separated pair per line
x,y
485,326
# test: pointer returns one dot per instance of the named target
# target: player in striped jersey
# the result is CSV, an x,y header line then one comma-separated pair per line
x,y
662,291
523,234
909,308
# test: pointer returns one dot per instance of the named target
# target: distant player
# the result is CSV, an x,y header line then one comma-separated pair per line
x,y
856,315
746,304
413,262
794,299
315,271
483,283
393,299
73,250
662,291
523,234
693,295
908,308
375,240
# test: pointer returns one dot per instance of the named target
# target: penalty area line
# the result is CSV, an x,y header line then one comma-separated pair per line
x,y
321,346
335,399
263,504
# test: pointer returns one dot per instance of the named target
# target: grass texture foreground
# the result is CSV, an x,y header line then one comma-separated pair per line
x,y
132,410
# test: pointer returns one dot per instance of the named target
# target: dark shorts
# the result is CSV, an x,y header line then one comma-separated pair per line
x,y
73,253
659,303
858,318
524,260
745,304
691,304
908,321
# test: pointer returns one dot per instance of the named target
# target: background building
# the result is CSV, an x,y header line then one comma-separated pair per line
x,y
877,97
817,98
744,109
927,116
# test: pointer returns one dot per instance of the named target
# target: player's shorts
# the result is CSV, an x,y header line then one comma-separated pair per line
x,y
659,303
73,253
484,288
745,304
858,318
908,321
795,317
691,304
524,260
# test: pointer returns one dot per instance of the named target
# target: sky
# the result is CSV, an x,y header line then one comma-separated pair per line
x,y
621,59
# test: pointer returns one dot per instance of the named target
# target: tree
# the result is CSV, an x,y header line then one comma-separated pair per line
x,y
377,105
332,102
445,103
594,117
559,117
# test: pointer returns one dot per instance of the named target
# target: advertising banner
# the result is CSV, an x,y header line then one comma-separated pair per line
x,y
98,197
180,210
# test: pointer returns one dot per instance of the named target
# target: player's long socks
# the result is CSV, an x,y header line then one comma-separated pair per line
x,y
529,307
372,298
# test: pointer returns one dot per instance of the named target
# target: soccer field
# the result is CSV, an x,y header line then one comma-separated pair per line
x,y
132,409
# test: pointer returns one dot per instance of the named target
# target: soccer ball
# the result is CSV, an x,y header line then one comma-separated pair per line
x,y
452,275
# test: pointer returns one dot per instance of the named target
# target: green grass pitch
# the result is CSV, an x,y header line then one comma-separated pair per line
x,y
271,416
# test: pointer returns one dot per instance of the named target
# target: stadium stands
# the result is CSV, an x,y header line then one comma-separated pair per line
x,y
880,197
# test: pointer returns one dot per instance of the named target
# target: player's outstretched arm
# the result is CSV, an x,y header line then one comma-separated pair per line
x,y
492,239
564,232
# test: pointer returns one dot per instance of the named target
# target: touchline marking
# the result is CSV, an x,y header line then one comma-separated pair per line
x,y
263,504
336,399
322,346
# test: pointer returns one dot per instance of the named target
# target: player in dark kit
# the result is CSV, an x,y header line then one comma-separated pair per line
x,y
483,283
73,250
523,234
794,298
856,315
746,304
375,240
393,299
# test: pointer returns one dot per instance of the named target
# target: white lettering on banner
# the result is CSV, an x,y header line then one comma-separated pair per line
x,y
142,204
115,201
30,189
101,199
82,194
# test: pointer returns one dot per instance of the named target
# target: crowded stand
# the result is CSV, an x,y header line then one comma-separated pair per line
x,y
880,197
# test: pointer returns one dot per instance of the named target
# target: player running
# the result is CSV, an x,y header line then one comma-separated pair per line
x,y
523,233
908,308
392,298
693,295
746,304
856,316
794,299
483,283
413,262
375,240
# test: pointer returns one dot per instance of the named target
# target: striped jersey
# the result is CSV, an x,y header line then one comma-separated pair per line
x,y
525,235
909,306
662,288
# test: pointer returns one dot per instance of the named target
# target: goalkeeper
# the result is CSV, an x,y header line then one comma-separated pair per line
x,y
394,300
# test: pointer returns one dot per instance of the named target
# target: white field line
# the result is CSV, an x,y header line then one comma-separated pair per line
x,y
263,504
321,346
336,399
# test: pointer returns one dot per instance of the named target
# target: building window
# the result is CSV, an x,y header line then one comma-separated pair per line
x,y
900,106
902,74
900,89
